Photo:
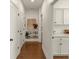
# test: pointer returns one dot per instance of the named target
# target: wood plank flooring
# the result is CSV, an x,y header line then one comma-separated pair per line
x,y
31,50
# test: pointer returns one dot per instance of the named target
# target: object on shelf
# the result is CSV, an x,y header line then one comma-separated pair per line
x,y
35,26
27,35
66,31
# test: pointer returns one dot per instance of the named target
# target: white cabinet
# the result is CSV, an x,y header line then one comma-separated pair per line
x,y
56,48
58,16
66,16
60,46
65,46
60,42
61,16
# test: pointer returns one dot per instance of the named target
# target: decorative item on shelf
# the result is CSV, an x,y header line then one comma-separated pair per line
x,y
66,31
35,26
27,34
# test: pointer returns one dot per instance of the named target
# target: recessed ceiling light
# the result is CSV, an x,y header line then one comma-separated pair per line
x,y
32,0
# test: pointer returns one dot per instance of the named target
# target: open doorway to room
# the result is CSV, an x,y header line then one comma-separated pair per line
x,y
32,28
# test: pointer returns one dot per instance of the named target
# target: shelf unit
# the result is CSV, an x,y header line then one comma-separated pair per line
x,y
60,21
60,24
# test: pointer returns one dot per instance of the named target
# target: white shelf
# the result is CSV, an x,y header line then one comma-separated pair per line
x,y
61,36
60,24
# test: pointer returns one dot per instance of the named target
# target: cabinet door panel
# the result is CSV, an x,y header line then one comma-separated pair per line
x,y
65,46
58,16
66,16
56,46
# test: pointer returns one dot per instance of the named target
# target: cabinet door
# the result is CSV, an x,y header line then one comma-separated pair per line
x,y
58,16
66,16
65,46
56,46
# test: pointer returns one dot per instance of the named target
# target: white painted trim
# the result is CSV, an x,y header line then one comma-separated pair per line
x,y
45,52
12,3
27,40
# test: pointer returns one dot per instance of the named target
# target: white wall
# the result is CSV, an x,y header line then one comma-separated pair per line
x,y
19,5
32,13
50,1
47,29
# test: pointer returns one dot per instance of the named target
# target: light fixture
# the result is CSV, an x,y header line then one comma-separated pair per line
x,y
32,0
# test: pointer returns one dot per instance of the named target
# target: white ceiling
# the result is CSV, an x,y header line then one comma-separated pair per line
x,y
36,4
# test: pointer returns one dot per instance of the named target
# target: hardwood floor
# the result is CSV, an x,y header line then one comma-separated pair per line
x,y
31,50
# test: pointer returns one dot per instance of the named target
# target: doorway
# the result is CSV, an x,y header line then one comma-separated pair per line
x,y
32,28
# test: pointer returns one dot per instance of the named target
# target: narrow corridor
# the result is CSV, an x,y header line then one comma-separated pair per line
x,y
33,22
31,50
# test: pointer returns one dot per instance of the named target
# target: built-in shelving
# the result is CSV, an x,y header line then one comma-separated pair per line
x,y
60,24
61,36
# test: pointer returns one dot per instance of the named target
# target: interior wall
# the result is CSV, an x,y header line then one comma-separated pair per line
x,y
47,29
50,1
19,5
32,13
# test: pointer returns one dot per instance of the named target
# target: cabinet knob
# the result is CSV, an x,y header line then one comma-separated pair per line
x,y
52,37
60,44
11,39
60,38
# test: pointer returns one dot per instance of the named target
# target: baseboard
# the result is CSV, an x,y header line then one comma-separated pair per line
x,y
29,40
44,51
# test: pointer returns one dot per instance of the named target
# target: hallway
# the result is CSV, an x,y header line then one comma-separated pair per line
x,y
33,22
31,50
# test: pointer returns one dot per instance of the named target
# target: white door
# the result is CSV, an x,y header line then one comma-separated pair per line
x,y
13,32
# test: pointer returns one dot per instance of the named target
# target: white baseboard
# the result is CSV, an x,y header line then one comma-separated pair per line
x,y
45,52
37,40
